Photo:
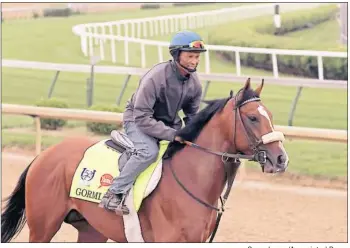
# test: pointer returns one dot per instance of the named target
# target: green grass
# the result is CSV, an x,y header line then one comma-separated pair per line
x,y
324,36
10,121
27,140
327,32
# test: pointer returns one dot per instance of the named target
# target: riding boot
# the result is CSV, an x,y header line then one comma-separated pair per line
x,y
115,203
122,209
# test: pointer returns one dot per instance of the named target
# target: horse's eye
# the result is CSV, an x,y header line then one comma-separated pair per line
x,y
253,118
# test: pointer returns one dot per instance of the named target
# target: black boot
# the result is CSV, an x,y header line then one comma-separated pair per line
x,y
115,203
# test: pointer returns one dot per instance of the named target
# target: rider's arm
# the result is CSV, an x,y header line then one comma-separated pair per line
x,y
143,112
192,107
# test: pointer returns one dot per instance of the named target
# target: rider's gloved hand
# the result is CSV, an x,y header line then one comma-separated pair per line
x,y
178,139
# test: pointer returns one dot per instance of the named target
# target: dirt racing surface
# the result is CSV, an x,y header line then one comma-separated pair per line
x,y
256,211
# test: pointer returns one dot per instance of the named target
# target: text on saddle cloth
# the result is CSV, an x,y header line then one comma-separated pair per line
x,y
99,166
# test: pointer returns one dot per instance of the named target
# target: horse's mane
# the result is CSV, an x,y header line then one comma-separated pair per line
x,y
192,130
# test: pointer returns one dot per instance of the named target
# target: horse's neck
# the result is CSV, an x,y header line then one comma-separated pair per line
x,y
205,170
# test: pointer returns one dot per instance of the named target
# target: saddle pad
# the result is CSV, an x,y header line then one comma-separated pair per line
x,y
97,169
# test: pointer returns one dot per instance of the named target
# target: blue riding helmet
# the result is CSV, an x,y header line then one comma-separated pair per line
x,y
186,41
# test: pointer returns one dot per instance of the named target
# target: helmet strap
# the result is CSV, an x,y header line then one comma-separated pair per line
x,y
187,69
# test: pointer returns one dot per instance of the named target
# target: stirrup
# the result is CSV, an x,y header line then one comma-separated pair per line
x,y
122,210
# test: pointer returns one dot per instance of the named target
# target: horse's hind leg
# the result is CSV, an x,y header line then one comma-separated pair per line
x,y
43,230
88,234
45,214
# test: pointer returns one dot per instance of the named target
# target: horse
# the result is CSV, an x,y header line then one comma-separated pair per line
x,y
238,126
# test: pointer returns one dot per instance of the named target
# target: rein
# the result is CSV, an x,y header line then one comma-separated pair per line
x,y
230,177
229,158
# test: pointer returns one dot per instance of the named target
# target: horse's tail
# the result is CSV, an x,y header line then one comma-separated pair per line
x,y
13,218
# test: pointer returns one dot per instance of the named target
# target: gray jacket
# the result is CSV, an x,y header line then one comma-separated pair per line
x,y
161,94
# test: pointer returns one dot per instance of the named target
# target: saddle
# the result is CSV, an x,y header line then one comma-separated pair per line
x,y
120,142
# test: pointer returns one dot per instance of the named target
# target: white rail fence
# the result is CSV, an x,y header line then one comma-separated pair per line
x,y
109,117
107,36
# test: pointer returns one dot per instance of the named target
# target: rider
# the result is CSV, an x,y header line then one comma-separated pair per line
x,y
151,114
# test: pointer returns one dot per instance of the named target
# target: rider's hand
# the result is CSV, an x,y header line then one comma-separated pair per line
x,y
178,139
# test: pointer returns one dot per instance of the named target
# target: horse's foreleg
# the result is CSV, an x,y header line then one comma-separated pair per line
x,y
88,234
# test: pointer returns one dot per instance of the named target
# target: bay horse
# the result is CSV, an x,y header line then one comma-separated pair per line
x,y
239,126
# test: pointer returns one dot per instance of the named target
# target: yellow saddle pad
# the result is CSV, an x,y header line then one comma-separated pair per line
x,y
97,169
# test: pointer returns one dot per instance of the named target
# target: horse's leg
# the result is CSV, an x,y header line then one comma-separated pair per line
x,y
43,222
47,201
88,234
43,229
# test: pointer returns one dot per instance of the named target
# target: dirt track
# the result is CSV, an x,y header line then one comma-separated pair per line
x,y
255,212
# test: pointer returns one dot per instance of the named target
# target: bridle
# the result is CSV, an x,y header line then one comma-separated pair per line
x,y
253,142
230,159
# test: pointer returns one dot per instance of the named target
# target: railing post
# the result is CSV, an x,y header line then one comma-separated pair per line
x,y
96,32
207,62
294,105
114,59
274,65
53,84
238,63
91,46
320,67
90,82
126,52
102,49
123,89
84,45
38,135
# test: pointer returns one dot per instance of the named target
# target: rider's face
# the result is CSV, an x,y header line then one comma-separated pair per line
x,y
189,59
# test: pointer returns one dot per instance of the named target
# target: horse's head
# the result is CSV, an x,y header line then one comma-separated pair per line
x,y
251,129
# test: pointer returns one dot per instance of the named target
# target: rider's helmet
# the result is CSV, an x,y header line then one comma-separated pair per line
x,y
185,41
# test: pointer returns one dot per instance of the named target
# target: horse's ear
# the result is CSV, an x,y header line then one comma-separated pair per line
x,y
247,84
231,93
260,87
